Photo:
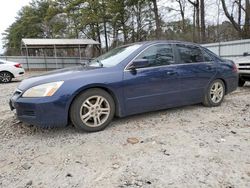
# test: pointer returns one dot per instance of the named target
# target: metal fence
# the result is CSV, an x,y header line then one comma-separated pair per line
x,y
230,49
45,63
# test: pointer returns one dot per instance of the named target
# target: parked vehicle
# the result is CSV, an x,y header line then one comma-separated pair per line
x,y
243,64
128,80
10,70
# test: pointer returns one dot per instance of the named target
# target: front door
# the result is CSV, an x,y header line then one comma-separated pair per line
x,y
153,87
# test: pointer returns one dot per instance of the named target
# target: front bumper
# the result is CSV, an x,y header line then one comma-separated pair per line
x,y
44,112
245,76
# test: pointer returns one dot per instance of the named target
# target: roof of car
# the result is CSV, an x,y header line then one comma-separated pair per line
x,y
165,41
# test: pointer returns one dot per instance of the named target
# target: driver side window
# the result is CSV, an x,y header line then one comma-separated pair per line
x,y
158,55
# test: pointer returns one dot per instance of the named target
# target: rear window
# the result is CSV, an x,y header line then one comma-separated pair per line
x,y
212,55
189,54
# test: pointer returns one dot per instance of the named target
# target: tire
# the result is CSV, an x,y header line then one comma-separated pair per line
x,y
5,77
92,110
214,94
241,82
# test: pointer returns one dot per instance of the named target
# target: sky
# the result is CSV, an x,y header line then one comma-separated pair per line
x,y
8,12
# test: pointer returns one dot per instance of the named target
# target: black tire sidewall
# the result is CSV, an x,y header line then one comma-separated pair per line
x,y
9,75
241,82
208,96
76,106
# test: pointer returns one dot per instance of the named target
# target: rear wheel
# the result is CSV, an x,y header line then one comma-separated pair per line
x,y
5,77
214,94
92,110
241,82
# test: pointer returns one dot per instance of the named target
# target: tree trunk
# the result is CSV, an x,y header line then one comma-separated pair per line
x,y
194,26
105,34
123,22
182,10
125,35
93,36
139,22
133,29
231,18
198,37
203,26
196,6
157,19
99,48
114,35
105,25
239,13
247,21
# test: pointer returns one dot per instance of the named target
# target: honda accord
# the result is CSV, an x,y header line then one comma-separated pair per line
x,y
128,80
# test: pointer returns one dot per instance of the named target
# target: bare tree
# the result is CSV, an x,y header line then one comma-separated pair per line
x,y
196,5
244,32
157,19
202,17
182,6
247,20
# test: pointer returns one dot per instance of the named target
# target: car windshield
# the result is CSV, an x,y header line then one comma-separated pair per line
x,y
115,56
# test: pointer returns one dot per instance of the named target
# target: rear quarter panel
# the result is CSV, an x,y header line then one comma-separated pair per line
x,y
230,77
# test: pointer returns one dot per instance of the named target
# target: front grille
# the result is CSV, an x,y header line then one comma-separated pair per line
x,y
244,68
244,64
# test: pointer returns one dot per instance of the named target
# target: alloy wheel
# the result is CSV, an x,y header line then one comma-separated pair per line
x,y
217,92
95,111
5,77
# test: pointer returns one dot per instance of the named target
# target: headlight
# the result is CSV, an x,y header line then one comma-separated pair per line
x,y
44,90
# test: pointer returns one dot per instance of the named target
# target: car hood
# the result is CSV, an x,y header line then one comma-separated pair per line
x,y
58,75
238,60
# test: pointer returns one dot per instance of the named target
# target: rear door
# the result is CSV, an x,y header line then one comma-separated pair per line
x,y
196,71
155,86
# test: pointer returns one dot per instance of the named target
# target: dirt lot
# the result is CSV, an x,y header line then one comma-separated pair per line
x,y
191,146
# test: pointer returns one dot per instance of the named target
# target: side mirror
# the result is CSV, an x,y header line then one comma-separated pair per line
x,y
139,63
246,54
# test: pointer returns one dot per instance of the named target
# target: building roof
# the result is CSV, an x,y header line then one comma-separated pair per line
x,y
41,43
235,42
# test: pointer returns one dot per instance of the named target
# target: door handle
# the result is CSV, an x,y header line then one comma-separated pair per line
x,y
170,73
209,68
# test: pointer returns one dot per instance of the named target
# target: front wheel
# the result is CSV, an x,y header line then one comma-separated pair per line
x,y
214,94
5,77
92,110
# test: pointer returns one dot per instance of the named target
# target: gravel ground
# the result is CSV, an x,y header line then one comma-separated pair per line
x,y
190,146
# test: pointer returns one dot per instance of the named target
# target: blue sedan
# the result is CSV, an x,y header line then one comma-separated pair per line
x,y
128,80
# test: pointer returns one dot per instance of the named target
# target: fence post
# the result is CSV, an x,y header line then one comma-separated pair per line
x,y
55,55
219,48
45,60
27,54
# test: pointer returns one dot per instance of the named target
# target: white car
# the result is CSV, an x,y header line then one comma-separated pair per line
x,y
10,70
243,64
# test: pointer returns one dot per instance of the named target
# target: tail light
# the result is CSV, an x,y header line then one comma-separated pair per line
x,y
18,65
235,69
